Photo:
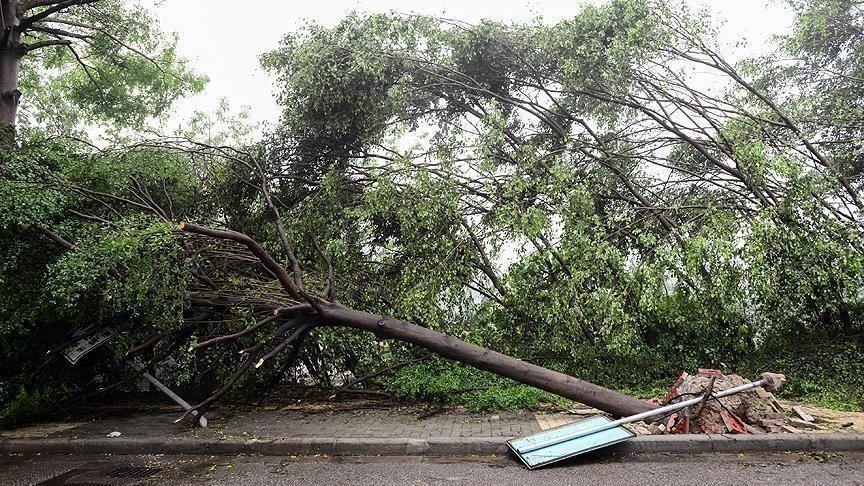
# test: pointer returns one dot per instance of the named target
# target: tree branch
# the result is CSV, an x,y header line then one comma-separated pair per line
x,y
256,249
57,239
40,3
26,22
46,43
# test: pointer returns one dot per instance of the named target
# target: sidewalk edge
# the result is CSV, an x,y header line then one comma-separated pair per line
x,y
433,446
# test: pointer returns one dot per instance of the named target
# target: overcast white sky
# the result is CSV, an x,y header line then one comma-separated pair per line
x,y
224,41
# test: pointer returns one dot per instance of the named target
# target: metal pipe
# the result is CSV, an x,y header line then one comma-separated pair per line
x,y
636,418
202,421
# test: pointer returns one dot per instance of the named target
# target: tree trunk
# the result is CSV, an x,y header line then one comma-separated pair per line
x,y
452,348
10,59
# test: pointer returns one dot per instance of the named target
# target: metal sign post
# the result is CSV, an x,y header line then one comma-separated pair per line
x,y
78,348
202,421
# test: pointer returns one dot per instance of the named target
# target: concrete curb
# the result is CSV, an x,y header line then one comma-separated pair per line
x,y
433,446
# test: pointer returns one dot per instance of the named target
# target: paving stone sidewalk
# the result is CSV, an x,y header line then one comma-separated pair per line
x,y
294,423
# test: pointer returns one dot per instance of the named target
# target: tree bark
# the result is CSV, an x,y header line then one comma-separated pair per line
x,y
455,349
10,60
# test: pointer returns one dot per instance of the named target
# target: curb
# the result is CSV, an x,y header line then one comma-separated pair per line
x,y
433,446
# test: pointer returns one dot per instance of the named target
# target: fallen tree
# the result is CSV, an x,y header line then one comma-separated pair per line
x,y
329,312
532,146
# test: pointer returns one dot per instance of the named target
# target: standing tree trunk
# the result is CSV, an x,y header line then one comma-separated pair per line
x,y
11,51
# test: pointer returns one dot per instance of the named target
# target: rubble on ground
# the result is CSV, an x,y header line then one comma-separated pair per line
x,y
754,411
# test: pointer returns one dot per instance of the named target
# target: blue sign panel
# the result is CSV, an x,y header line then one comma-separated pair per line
x,y
573,447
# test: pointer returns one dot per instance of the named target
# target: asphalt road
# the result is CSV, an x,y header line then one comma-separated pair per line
x,y
786,469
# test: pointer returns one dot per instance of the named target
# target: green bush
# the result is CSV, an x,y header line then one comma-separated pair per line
x,y
453,383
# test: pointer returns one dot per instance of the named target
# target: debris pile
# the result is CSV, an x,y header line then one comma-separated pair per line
x,y
754,411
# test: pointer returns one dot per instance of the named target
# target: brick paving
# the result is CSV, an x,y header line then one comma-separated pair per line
x,y
349,423
378,424
296,423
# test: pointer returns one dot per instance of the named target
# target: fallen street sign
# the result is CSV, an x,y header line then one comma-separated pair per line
x,y
533,457
79,348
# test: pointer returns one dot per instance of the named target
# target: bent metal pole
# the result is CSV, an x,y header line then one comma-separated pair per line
x,y
202,421
635,418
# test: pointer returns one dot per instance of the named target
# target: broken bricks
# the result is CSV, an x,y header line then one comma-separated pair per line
x,y
754,411
802,414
